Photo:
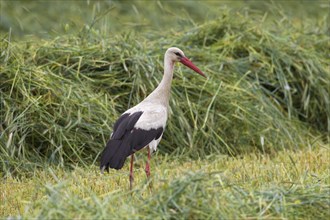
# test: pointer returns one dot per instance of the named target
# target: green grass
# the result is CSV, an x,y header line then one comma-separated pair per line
x,y
60,97
288,185
251,141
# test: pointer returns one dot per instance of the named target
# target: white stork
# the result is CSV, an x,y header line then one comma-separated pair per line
x,y
143,125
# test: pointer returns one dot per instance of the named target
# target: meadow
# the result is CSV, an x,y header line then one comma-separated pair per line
x,y
249,142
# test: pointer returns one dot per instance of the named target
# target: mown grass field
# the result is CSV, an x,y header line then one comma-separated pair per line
x,y
250,142
288,185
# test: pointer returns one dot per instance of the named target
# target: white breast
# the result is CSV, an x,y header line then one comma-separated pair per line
x,y
154,115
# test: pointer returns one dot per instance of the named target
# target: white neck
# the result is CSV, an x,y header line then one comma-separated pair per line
x,y
162,93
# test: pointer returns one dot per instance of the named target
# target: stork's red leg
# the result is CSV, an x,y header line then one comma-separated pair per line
x,y
148,170
131,178
148,164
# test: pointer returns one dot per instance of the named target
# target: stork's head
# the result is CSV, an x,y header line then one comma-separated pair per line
x,y
177,55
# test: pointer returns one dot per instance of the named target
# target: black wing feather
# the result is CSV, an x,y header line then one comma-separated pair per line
x,y
140,138
119,121
125,123
125,140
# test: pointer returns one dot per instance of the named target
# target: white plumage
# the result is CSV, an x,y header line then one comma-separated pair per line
x,y
143,125
154,115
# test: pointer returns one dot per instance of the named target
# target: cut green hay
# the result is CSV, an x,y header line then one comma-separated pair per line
x,y
287,186
40,18
107,17
249,142
290,68
266,92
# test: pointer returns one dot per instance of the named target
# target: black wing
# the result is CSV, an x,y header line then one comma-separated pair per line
x,y
125,140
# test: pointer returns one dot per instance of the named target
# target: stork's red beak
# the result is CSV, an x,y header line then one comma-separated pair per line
x,y
185,61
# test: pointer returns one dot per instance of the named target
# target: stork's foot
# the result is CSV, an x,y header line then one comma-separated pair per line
x,y
149,181
147,170
131,180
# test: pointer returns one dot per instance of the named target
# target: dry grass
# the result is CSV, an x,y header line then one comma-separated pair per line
x,y
288,184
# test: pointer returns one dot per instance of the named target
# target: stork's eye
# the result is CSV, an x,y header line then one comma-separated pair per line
x,y
178,54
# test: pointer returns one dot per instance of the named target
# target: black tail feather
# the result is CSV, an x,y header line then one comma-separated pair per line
x,y
117,150
113,155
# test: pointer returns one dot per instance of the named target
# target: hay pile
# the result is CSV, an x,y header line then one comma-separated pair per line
x,y
266,91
